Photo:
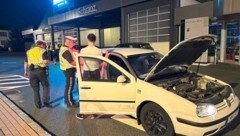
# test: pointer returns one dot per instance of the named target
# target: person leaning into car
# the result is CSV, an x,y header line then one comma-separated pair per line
x,y
35,65
68,66
91,67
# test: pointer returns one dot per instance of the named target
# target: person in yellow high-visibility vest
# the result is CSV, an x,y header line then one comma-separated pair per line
x,y
35,65
68,66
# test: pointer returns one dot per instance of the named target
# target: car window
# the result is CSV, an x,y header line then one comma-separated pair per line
x,y
143,63
119,61
93,69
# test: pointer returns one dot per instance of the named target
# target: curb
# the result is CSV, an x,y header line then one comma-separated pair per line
x,y
31,123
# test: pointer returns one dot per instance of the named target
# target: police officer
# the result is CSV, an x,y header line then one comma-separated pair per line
x,y
68,66
35,65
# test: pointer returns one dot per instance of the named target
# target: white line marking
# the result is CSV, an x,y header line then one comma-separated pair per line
x,y
9,62
12,79
22,82
9,76
12,87
14,83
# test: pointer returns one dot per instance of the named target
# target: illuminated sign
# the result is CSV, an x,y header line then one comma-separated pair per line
x,y
87,10
60,3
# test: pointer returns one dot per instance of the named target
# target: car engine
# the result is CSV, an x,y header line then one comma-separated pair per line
x,y
197,89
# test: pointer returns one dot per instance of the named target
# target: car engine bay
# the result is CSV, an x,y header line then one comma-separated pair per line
x,y
196,89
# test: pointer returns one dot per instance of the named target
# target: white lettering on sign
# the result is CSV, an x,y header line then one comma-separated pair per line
x,y
87,10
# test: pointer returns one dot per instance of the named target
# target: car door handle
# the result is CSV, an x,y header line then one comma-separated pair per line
x,y
85,87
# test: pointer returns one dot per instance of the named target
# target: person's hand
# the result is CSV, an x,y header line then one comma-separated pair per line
x,y
26,74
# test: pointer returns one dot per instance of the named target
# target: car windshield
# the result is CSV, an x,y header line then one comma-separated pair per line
x,y
170,71
143,63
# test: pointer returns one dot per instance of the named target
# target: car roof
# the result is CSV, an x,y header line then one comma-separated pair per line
x,y
134,43
128,51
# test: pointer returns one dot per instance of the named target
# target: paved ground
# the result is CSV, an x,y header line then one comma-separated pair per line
x,y
61,121
14,122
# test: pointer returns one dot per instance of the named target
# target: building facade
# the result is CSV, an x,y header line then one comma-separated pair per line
x,y
158,22
113,22
4,38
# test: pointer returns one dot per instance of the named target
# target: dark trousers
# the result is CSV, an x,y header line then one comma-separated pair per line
x,y
70,81
91,75
37,76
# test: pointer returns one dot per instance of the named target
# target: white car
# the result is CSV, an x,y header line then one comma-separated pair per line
x,y
159,91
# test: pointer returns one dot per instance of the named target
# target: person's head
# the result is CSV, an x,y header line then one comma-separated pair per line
x,y
70,41
42,44
91,39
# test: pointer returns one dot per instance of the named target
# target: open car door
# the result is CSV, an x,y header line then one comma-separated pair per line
x,y
113,93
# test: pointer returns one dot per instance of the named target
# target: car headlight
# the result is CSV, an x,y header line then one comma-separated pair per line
x,y
205,110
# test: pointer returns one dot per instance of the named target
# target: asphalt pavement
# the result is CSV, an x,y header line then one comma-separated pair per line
x,y
61,121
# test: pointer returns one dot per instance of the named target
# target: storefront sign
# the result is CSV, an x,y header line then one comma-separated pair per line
x,y
87,10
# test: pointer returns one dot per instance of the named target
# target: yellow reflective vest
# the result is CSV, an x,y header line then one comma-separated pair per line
x,y
64,64
34,56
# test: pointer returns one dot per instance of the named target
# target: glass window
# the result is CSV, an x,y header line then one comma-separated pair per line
x,y
142,20
152,11
142,33
3,34
119,61
152,25
142,13
149,24
142,27
3,42
133,15
152,18
93,69
164,16
133,28
143,63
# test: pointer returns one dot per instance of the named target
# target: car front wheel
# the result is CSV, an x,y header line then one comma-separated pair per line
x,y
156,121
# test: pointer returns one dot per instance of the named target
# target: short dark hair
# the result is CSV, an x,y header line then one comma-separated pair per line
x,y
91,37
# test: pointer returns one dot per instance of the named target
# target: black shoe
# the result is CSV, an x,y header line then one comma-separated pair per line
x,y
47,105
82,116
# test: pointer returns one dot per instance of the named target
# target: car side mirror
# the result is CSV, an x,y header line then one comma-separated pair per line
x,y
121,79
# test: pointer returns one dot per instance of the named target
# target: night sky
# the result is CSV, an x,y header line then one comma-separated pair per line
x,y
23,13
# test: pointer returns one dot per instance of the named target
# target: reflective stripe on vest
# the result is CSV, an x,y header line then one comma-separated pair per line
x,y
34,56
64,64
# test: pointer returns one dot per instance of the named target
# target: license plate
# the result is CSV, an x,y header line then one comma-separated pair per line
x,y
231,117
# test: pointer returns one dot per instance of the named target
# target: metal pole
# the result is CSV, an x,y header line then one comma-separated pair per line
x,y
223,42
215,56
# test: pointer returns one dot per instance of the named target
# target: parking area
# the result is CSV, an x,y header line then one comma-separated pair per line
x,y
62,121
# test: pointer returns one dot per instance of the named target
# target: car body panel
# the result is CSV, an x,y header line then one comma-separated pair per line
x,y
119,97
128,98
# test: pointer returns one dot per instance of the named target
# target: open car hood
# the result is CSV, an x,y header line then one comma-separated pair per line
x,y
184,54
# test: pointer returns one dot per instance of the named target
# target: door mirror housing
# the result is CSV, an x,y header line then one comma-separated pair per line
x,y
121,79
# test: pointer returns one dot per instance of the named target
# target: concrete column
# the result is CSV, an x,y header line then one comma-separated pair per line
x,y
52,37
101,37
223,42
123,33
63,37
174,29
78,36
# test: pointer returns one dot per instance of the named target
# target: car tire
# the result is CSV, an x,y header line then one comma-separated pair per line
x,y
156,121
